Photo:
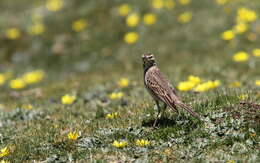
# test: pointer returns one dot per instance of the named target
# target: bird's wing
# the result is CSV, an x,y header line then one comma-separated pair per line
x,y
160,86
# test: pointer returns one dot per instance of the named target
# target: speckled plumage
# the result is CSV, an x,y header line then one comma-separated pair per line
x,y
160,88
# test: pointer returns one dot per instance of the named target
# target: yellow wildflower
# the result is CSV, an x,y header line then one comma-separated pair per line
x,y
243,96
124,9
112,115
142,142
33,77
36,29
73,135
131,37
4,152
68,99
184,2
231,161
2,79
185,17
240,57
216,83
27,106
123,82
167,151
149,18
54,5
119,144
221,2
246,15
132,20
169,4
256,53
13,33
157,4
240,28
194,79
235,84
228,35
3,161
116,95
79,25
17,83
186,85
257,82
207,86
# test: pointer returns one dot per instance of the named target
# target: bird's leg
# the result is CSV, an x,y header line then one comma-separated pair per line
x,y
159,111
163,110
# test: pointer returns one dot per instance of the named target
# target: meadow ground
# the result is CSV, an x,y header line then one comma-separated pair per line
x,y
71,80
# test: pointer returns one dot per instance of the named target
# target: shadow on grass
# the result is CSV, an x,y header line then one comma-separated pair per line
x,y
162,122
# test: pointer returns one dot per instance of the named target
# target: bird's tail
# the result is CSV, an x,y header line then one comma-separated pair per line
x,y
189,109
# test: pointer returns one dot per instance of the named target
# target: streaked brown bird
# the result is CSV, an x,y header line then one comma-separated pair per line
x,y
161,89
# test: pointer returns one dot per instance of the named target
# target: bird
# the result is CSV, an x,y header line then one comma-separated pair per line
x,y
160,88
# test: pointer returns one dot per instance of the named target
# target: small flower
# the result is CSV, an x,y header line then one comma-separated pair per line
x,y
207,86
186,86
184,2
235,84
116,95
36,29
240,57
167,151
124,9
54,5
246,15
257,82
142,142
4,152
27,106
240,28
256,52
132,20
2,79
33,77
149,19
231,161
17,83
79,25
3,161
68,99
119,144
131,37
157,4
194,79
228,35
123,82
169,4
13,33
112,115
243,96
73,135
185,17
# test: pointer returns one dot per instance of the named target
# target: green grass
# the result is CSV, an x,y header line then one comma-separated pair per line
x,y
91,63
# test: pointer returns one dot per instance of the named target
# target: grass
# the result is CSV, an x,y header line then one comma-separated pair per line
x,y
89,65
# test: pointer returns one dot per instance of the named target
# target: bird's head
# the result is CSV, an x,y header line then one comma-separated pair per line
x,y
148,60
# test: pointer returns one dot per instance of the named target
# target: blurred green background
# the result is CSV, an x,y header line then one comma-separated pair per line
x,y
43,34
